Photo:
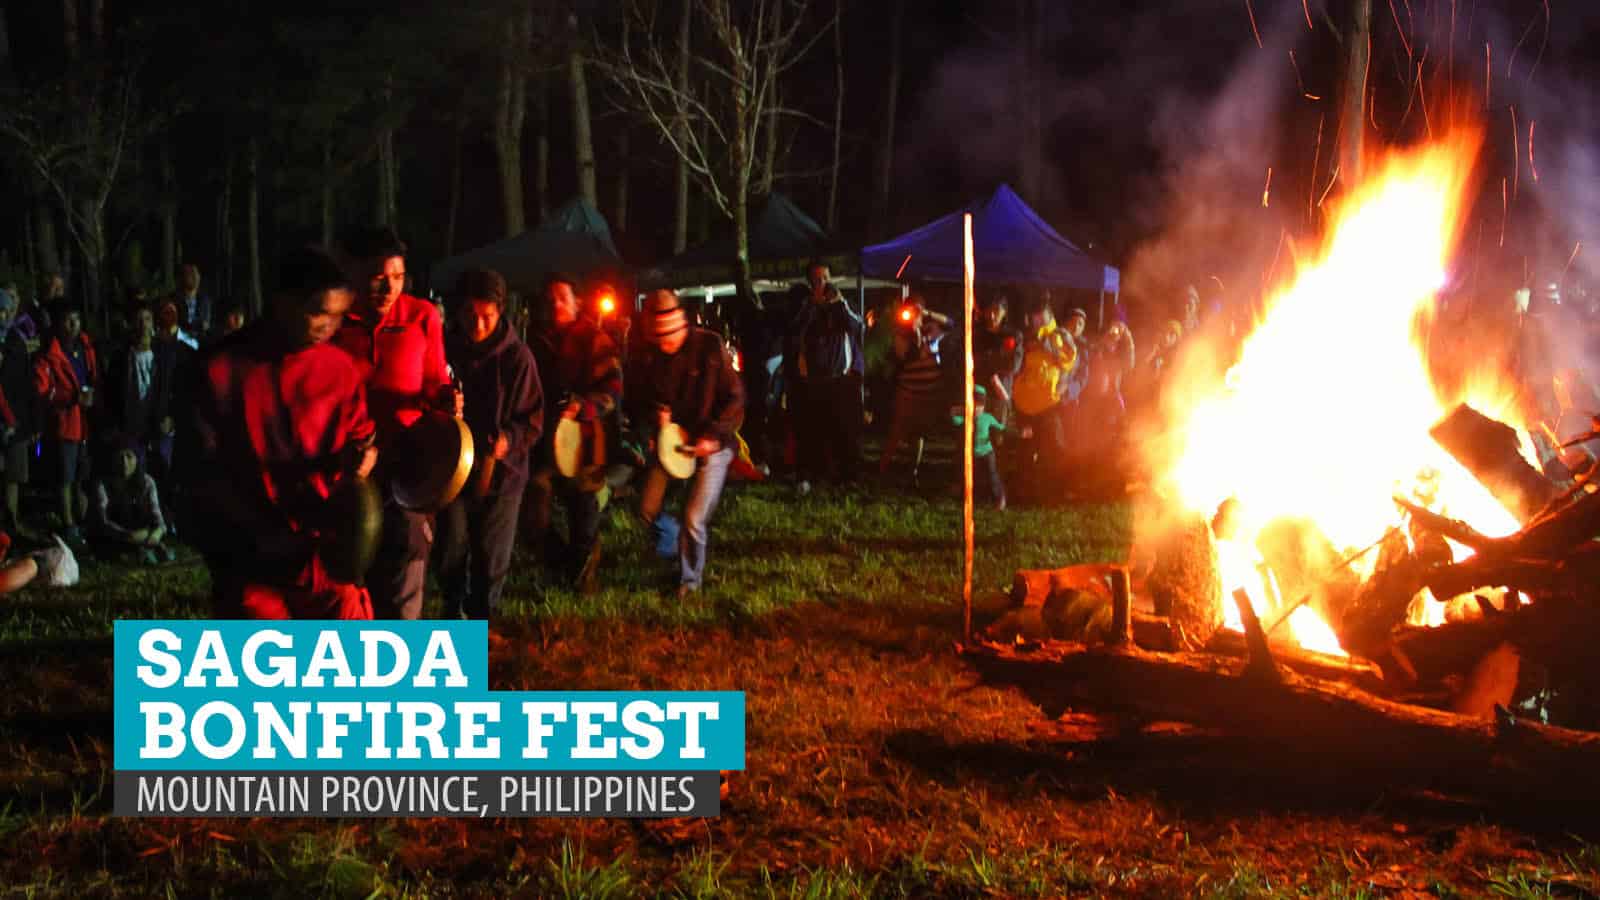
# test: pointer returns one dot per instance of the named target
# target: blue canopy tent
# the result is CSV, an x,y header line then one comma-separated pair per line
x,y
1010,245
574,239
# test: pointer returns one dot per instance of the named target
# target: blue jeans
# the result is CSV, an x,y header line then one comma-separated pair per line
x,y
705,489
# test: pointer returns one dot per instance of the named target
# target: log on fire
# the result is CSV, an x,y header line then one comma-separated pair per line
x,y
1312,721
1491,451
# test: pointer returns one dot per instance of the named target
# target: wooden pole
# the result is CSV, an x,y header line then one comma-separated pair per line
x,y
967,430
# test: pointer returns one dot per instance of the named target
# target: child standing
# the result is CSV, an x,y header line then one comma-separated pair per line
x,y
984,465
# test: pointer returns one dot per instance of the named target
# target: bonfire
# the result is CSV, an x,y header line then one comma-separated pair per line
x,y
1344,525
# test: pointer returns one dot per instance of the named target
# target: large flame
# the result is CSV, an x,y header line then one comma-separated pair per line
x,y
1326,413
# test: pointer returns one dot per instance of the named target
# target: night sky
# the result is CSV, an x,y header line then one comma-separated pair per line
x,y
1152,113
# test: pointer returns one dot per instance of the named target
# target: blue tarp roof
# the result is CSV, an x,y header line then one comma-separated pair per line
x,y
573,239
1010,244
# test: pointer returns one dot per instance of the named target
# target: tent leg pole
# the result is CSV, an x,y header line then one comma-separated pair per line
x,y
1100,316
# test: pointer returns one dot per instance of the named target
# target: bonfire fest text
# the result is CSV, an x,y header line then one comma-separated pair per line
x,y
363,719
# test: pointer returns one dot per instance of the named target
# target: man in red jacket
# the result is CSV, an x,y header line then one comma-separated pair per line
x,y
66,375
397,343
280,417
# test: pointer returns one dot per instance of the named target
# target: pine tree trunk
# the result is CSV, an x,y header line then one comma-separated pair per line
x,y
1353,126
582,136
880,212
48,256
680,213
92,246
30,258
384,210
541,145
253,225
327,193
454,213
225,230
742,164
169,217
97,25
838,113
767,177
511,107
619,218
7,74
69,29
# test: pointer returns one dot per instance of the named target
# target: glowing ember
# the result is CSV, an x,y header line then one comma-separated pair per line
x,y
1326,413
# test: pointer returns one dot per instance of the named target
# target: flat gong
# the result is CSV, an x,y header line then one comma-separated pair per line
x,y
428,463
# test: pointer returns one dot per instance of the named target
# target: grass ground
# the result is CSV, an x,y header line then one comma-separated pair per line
x,y
877,764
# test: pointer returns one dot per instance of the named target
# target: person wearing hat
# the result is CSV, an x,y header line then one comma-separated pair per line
x,y
984,464
397,343
581,370
684,376
279,419
504,407
919,376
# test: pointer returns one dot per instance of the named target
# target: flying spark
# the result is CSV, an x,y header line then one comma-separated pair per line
x,y
1532,166
1253,29
1266,192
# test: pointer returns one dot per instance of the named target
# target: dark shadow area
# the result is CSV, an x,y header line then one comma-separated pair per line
x,y
1210,776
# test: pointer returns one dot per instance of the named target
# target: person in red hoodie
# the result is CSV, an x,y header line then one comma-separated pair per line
x,y
397,343
66,375
280,418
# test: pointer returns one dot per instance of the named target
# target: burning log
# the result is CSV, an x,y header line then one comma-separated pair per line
x,y
1310,720
1185,584
1260,664
1364,626
1491,451
1290,655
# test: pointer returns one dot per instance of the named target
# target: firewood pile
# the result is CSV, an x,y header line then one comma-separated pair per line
x,y
1501,703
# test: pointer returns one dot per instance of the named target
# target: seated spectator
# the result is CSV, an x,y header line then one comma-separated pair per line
x,y
127,517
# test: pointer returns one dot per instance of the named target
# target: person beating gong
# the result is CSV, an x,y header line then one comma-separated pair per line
x,y
397,343
682,378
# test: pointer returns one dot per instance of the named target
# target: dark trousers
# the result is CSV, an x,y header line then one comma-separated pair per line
x,y
1040,455
400,570
583,521
476,536
828,427
986,479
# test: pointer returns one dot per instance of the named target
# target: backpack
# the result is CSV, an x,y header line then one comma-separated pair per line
x,y
1045,360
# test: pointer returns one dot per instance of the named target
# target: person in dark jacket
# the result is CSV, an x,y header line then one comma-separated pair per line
x,y
16,384
996,356
504,407
581,371
141,383
823,367
685,376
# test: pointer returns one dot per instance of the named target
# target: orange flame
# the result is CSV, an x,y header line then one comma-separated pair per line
x,y
1326,412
